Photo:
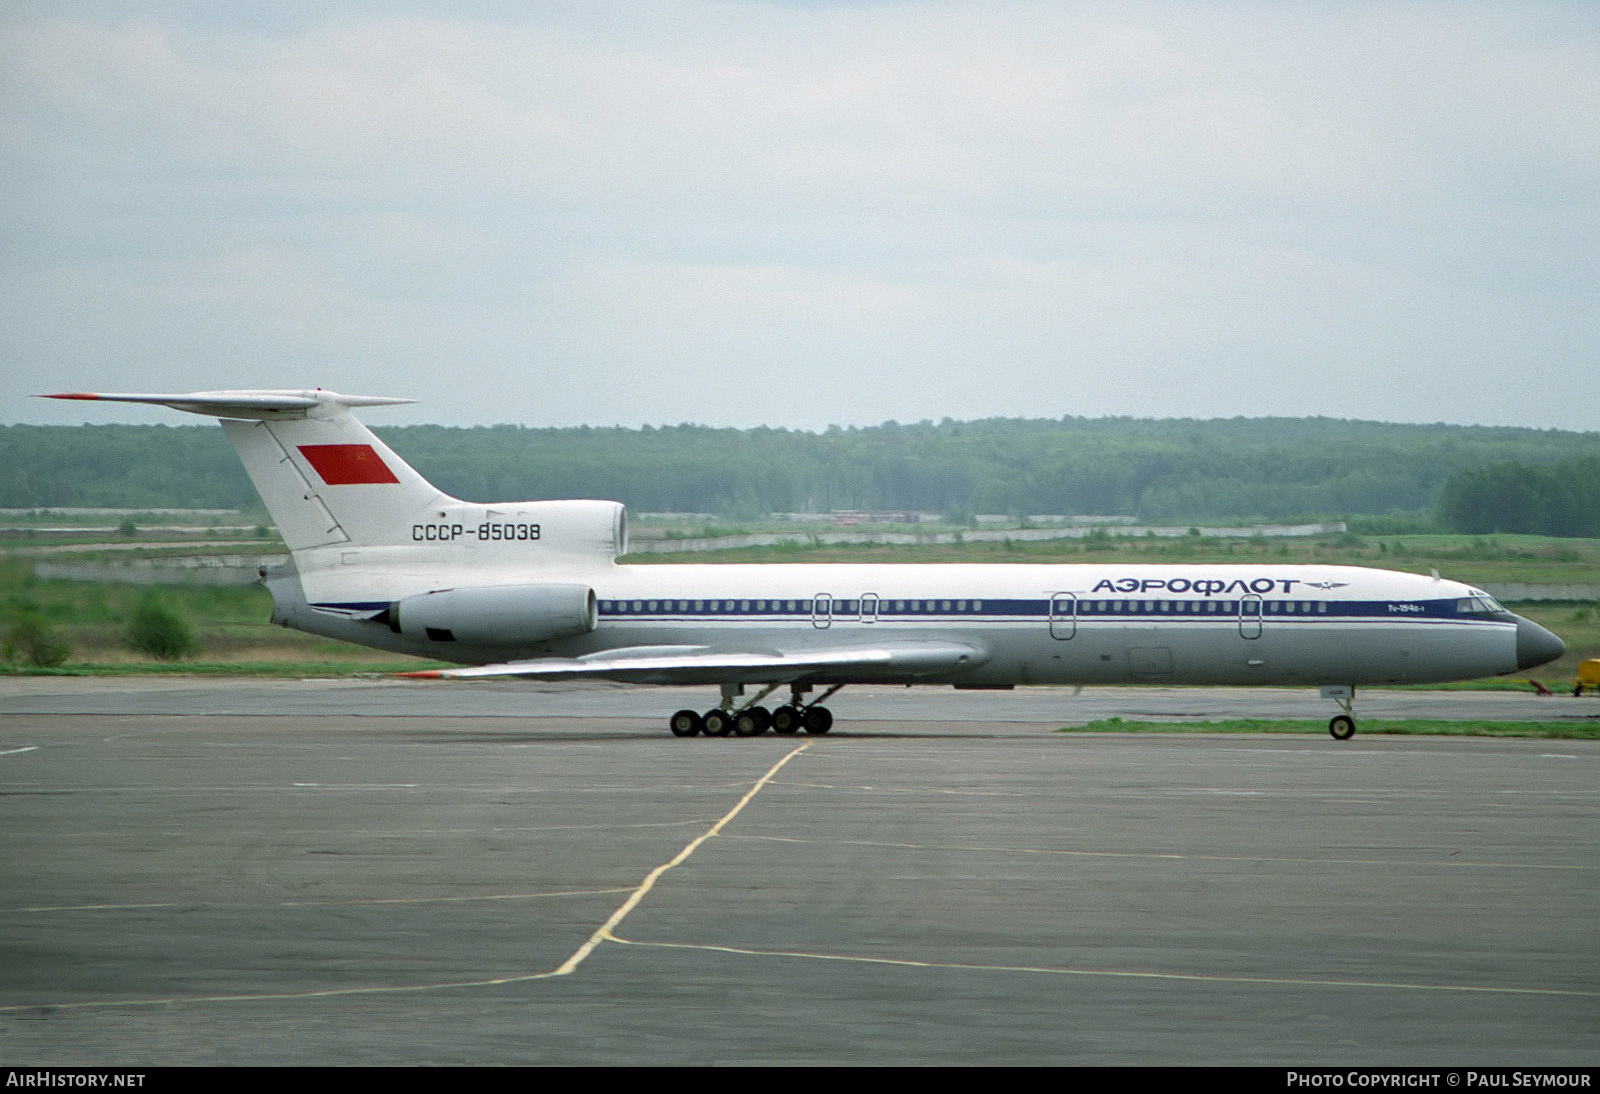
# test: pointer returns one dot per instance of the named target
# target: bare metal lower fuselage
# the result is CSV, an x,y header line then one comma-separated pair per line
x,y
1290,635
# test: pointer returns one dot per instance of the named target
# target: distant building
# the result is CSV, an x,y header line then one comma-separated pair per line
x,y
1049,520
851,517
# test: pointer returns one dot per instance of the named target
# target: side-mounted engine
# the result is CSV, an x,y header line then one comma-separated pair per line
x,y
496,615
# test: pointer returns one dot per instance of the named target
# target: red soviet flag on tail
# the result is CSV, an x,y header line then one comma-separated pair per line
x,y
347,464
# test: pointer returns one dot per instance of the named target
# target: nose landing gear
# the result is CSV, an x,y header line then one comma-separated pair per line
x,y
1342,726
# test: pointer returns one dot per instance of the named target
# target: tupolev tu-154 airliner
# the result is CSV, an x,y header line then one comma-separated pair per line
x,y
533,589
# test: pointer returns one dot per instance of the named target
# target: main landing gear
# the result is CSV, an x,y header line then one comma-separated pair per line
x,y
1342,726
751,720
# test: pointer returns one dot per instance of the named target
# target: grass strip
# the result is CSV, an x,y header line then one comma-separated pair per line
x,y
227,668
1586,728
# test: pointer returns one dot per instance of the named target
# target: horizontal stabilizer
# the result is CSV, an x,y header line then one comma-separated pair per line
x,y
700,665
265,405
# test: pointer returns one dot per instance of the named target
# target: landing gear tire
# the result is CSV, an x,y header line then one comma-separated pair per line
x,y
1342,726
818,720
716,723
786,719
685,723
752,722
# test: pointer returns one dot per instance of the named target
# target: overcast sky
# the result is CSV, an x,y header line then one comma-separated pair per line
x,y
741,212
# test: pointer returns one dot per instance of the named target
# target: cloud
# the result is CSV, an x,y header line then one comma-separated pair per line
x,y
806,213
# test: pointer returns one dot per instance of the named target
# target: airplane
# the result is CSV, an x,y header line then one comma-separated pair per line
x,y
533,589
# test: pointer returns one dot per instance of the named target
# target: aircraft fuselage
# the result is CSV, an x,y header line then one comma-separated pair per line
x,y
1034,624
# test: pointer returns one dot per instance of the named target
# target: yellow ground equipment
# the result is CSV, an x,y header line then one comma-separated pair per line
x,y
1588,675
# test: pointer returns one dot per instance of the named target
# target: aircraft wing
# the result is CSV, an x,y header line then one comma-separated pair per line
x,y
706,665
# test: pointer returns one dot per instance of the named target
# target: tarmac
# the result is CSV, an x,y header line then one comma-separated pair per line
x,y
385,872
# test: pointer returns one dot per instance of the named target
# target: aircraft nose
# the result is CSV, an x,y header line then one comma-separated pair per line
x,y
1535,645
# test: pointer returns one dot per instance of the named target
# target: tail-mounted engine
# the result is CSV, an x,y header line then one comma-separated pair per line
x,y
504,615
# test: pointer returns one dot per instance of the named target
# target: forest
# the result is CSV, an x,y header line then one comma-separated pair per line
x,y
1561,499
1157,470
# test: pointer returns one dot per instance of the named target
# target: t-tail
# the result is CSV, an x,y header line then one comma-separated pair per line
x,y
326,479
364,528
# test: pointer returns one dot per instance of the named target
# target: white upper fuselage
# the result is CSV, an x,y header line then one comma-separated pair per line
x,y
1223,624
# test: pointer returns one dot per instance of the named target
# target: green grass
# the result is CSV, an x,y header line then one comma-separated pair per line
x,y
1586,729
91,605
230,623
117,549
328,667
1476,559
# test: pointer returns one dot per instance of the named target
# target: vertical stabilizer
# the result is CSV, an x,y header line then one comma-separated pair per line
x,y
364,528
326,479
331,480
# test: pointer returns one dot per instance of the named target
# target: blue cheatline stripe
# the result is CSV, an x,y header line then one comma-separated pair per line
x,y
1083,608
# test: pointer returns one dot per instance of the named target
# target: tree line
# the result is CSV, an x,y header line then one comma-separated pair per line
x,y
1158,470
1561,499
